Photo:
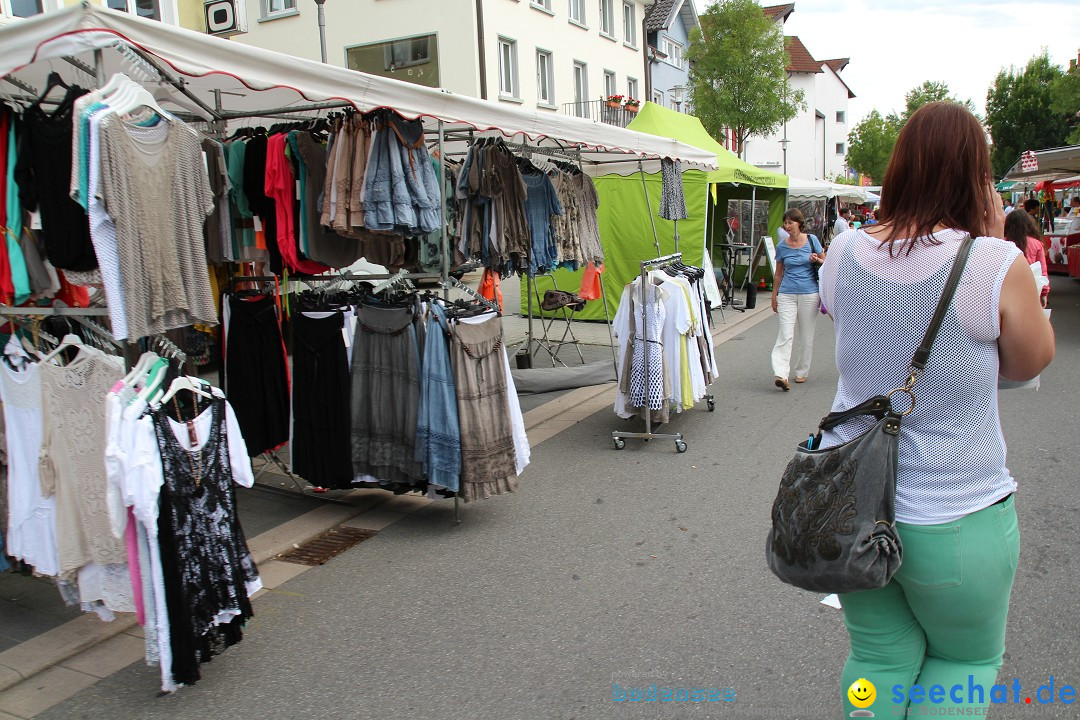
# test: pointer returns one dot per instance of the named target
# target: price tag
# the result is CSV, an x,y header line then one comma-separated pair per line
x,y
297,189
35,220
347,337
193,437
258,223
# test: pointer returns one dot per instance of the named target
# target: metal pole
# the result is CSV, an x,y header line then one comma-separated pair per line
x,y
322,29
648,203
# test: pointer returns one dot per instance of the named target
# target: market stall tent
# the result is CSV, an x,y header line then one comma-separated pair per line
x,y
218,79
1050,164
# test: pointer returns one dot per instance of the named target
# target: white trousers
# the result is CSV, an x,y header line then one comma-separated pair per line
x,y
798,313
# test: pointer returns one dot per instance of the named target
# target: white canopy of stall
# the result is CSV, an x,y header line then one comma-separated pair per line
x,y
823,190
229,80
1048,164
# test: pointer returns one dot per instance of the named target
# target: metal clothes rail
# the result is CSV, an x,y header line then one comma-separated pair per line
x,y
618,437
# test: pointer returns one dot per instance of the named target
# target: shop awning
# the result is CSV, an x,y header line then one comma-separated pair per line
x,y
228,79
1049,164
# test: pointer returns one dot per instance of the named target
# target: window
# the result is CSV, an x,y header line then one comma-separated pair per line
x,y
658,98
544,5
632,88
273,7
629,24
22,8
414,59
508,86
840,114
673,50
581,89
577,11
839,148
607,17
545,82
609,84
143,8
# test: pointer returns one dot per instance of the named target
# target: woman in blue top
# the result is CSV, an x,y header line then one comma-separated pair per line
x,y
795,299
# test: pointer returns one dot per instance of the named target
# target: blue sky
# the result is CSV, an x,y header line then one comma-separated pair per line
x,y
895,46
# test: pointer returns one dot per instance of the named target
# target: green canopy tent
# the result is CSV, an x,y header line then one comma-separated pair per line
x,y
627,216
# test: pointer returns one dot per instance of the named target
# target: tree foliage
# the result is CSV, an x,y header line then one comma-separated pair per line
x,y
930,91
738,76
1065,92
1021,114
870,144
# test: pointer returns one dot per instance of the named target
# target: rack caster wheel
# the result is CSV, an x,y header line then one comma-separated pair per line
x,y
680,446
619,443
712,406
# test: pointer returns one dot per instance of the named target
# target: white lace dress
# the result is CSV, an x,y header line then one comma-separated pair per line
x,y
73,469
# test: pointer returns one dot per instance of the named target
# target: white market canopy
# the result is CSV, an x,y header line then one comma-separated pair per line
x,y
1050,164
216,77
822,190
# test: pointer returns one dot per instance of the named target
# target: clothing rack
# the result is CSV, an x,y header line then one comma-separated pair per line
x,y
618,438
453,282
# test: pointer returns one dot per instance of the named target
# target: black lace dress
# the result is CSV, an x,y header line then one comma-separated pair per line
x,y
204,556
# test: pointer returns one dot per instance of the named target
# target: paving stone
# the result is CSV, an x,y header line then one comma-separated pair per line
x,y
44,690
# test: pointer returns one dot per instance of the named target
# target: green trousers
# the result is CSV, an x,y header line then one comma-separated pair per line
x,y
942,616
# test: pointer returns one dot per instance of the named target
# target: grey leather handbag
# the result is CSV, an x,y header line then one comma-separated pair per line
x,y
834,517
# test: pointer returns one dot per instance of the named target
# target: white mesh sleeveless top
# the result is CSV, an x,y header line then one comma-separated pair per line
x,y
952,452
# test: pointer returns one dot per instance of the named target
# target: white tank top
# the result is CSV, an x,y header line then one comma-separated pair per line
x,y
952,452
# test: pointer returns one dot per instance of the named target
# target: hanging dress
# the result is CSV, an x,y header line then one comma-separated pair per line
x,y
208,569
488,457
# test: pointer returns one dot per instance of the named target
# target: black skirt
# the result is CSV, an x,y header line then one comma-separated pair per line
x,y
321,391
256,377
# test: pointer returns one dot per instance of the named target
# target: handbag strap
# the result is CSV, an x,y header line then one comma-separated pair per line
x,y
922,354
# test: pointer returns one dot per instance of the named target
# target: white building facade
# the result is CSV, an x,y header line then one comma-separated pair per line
x,y
540,55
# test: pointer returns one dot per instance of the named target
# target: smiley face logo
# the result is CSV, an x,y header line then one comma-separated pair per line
x,y
862,693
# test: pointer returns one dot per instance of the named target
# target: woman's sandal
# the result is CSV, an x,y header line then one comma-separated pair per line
x,y
782,383
800,379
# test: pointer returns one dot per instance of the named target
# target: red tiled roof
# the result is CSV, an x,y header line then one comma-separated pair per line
x,y
838,64
800,59
779,12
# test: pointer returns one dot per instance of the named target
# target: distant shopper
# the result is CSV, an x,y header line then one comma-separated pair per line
x,y
795,299
1022,231
1074,205
841,224
1008,206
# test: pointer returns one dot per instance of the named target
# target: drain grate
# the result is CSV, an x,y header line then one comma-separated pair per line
x,y
330,544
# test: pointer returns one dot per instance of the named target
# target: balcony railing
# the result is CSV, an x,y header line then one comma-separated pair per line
x,y
598,111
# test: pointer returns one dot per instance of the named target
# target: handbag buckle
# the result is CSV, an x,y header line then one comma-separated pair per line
x,y
905,389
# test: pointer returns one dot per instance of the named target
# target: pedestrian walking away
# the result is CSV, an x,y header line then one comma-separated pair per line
x,y
841,224
940,621
795,299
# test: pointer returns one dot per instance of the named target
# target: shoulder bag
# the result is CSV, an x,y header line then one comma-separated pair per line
x,y
834,517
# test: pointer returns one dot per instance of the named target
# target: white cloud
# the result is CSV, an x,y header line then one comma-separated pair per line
x,y
895,47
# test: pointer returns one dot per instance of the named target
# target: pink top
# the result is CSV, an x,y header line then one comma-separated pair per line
x,y
280,184
1036,253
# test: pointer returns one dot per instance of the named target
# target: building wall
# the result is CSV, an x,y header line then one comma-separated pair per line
x,y
352,23
811,152
666,75
536,29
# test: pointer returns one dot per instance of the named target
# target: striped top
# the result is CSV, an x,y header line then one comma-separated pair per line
x,y
952,451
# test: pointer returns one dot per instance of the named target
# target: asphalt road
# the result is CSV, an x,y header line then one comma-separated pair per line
x,y
623,567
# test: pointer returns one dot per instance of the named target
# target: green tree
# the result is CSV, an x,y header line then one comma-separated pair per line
x,y
1020,112
870,144
930,91
1065,92
738,75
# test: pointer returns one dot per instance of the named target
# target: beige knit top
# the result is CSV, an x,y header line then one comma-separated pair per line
x,y
154,185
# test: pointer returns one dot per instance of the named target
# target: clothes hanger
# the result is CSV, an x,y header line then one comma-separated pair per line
x,y
51,83
184,382
69,340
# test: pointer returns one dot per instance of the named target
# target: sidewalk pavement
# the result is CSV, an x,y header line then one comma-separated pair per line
x,y
55,665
